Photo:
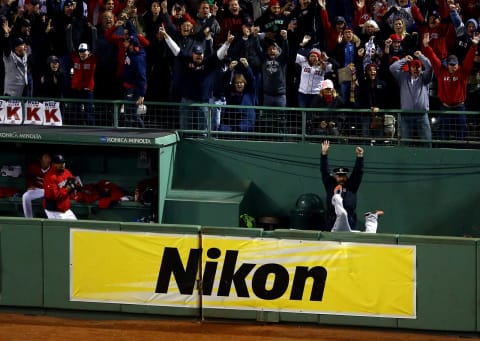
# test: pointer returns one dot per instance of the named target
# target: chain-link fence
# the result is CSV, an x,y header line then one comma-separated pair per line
x,y
388,127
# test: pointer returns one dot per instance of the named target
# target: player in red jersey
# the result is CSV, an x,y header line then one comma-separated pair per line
x,y
58,184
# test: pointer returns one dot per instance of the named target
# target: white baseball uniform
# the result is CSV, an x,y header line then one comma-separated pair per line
x,y
341,222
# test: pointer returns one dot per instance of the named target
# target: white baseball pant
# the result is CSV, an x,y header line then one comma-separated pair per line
x,y
341,222
27,197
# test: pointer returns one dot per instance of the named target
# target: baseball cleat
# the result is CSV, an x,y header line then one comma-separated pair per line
x,y
378,213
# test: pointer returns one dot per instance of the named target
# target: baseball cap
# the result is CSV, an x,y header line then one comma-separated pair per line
x,y
363,19
416,63
68,3
82,47
25,22
327,84
434,14
340,19
58,159
18,41
340,171
452,59
197,49
395,37
52,59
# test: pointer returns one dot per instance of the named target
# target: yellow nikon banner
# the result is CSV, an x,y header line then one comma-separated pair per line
x,y
359,279
243,273
123,267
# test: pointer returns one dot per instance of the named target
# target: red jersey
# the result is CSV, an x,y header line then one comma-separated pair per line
x,y
35,175
56,197
83,72
452,87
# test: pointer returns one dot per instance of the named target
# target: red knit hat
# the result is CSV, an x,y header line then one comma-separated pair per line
x,y
316,52
274,3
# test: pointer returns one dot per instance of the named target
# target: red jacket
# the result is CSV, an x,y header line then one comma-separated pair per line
x,y
452,87
56,197
83,72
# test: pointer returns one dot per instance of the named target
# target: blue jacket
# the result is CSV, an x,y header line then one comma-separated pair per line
x,y
135,66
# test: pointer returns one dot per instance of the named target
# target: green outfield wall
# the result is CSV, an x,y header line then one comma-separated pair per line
x,y
422,191
35,273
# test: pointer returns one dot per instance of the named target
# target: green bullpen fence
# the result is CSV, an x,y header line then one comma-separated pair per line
x,y
34,273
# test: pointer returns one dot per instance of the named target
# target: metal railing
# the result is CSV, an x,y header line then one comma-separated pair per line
x,y
388,127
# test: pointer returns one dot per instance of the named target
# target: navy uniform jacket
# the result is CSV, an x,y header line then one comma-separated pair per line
x,y
349,193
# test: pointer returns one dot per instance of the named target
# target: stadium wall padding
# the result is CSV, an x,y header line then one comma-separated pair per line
x,y
34,272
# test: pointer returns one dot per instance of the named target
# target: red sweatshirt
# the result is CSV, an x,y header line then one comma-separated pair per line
x,y
56,197
330,31
438,34
452,87
83,72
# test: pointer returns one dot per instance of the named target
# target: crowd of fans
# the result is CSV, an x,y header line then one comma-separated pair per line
x,y
320,53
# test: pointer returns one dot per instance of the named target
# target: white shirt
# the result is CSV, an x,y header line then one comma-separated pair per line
x,y
311,77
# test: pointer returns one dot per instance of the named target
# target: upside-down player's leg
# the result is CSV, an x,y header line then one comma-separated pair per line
x,y
341,222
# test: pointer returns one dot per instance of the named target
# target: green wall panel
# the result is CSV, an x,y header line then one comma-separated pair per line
x,y
201,213
395,180
160,228
296,234
446,283
232,231
21,273
56,241
478,286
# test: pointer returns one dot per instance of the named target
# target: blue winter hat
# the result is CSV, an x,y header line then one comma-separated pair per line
x,y
474,22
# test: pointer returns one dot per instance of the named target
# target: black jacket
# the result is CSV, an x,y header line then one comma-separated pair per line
x,y
349,196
